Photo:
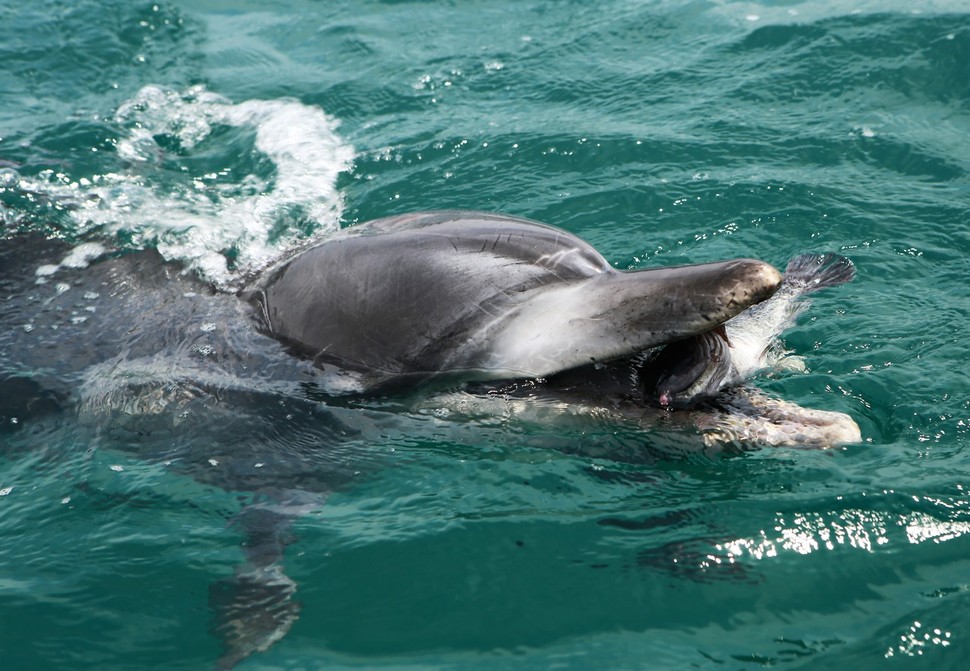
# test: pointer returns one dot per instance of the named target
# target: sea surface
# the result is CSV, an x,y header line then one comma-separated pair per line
x,y
213,136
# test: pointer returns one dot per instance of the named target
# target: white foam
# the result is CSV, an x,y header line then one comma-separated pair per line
x,y
83,254
195,218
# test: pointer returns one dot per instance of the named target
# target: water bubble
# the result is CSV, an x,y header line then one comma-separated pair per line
x,y
8,178
204,350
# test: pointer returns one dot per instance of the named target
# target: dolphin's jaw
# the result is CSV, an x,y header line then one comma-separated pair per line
x,y
685,373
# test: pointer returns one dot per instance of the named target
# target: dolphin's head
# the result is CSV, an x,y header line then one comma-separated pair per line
x,y
686,372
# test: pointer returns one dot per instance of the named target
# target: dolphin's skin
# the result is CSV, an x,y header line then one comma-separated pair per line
x,y
484,297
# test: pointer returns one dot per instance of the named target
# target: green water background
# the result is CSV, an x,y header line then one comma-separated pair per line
x,y
663,133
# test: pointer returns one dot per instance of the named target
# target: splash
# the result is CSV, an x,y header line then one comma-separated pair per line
x,y
224,188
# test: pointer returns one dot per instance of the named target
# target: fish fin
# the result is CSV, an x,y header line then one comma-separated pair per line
x,y
811,272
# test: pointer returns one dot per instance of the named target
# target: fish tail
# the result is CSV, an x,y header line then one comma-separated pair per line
x,y
811,272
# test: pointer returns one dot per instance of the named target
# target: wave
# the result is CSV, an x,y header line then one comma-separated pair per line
x,y
222,187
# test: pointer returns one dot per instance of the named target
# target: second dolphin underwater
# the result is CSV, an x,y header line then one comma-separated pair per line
x,y
473,297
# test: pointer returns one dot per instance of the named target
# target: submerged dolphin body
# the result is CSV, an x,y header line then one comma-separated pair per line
x,y
480,296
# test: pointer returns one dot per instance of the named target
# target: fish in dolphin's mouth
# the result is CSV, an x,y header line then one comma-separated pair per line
x,y
687,372
694,370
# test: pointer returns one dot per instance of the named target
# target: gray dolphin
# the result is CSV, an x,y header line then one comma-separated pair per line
x,y
161,359
484,297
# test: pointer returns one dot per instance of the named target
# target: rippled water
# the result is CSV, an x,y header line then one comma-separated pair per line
x,y
220,135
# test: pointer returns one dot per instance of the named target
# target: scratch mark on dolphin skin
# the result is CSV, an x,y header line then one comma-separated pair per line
x,y
555,259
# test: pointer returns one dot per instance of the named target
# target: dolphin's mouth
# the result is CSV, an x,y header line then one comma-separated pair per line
x,y
687,372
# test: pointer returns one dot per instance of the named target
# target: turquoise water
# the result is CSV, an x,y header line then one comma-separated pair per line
x,y
221,134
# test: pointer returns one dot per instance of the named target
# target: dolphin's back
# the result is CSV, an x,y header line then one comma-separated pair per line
x,y
392,295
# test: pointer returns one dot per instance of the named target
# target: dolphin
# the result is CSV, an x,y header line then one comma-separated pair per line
x,y
488,299
148,357
477,296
